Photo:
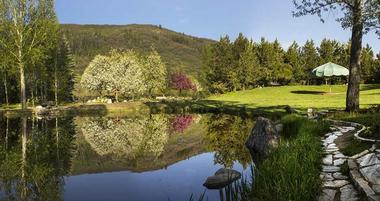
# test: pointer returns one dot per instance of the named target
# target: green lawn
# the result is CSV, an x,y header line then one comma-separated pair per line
x,y
300,97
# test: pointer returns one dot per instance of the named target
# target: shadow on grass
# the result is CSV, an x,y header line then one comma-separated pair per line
x,y
370,87
308,92
212,106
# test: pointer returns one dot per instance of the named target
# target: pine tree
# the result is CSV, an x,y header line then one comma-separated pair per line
x,y
310,59
293,58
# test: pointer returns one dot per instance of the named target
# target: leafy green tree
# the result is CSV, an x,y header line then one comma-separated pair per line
x,y
293,58
310,59
26,27
249,72
219,67
63,71
359,15
155,73
368,65
326,51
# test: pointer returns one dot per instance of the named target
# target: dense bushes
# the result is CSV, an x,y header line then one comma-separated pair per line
x,y
291,172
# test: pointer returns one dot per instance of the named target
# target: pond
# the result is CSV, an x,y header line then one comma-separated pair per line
x,y
153,157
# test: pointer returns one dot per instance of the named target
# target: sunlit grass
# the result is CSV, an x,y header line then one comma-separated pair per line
x,y
301,97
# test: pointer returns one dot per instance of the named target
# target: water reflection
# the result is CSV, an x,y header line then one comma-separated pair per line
x,y
226,136
128,138
34,157
168,156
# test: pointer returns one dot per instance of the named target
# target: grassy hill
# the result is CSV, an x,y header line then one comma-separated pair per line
x,y
179,51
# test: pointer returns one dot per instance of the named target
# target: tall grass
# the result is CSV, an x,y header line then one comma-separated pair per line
x,y
291,172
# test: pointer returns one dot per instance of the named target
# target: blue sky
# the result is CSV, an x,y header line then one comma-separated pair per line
x,y
211,18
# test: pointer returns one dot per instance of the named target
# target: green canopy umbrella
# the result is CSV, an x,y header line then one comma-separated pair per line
x,y
329,70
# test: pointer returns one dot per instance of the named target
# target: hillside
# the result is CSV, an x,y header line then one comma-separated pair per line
x,y
179,51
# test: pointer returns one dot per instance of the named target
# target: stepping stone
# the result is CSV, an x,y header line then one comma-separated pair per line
x,y
328,160
330,139
335,183
332,146
339,162
376,188
339,176
368,160
339,155
372,173
331,150
339,134
330,169
348,193
326,176
327,195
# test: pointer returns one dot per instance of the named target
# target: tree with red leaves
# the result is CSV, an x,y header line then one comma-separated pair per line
x,y
180,81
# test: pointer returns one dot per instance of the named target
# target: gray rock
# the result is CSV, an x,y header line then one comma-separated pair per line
x,y
331,150
335,183
339,155
328,160
279,127
368,160
332,146
348,193
263,138
372,173
326,176
330,169
339,162
327,195
290,110
222,178
360,154
376,188
331,139
339,176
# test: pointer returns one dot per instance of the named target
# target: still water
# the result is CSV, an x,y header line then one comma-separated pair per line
x,y
156,157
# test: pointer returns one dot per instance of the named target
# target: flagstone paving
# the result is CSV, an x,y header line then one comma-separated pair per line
x,y
364,170
336,186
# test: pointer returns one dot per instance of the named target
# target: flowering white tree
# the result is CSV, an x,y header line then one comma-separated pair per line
x,y
120,73
96,75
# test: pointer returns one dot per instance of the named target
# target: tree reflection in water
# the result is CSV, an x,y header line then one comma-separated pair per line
x,y
34,157
179,123
130,138
226,136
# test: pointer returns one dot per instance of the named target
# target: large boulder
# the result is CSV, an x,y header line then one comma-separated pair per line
x,y
222,178
264,137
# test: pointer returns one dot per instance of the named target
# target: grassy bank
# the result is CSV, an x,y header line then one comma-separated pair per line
x,y
370,119
301,97
291,172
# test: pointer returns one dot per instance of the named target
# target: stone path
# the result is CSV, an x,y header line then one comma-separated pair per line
x,y
365,172
336,186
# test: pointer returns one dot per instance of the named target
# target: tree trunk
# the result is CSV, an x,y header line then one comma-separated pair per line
x,y
6,89
56,81
22,85
57,137
56,88
23,163
353,91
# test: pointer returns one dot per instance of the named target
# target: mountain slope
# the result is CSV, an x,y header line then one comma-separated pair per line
x,y
178,51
